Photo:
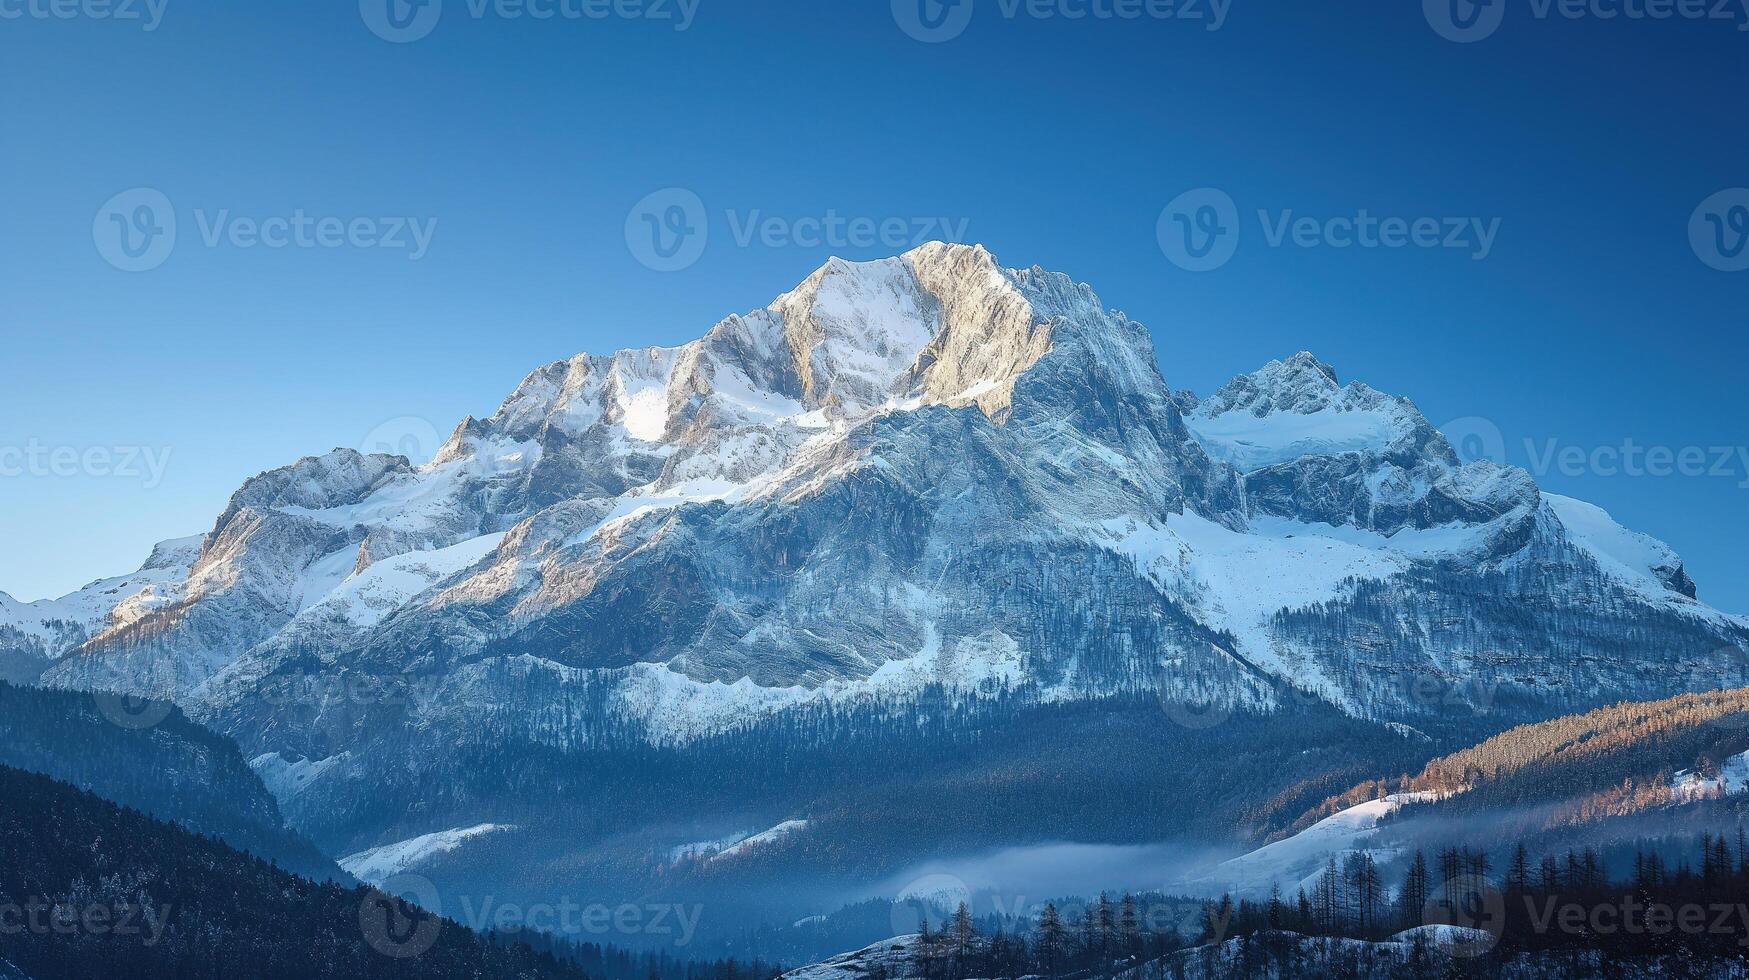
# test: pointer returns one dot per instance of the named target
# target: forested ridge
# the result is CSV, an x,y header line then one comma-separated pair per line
x,y
1611,761
92,889
173,768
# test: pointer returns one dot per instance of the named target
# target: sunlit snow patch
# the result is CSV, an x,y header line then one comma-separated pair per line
x,y
1733,777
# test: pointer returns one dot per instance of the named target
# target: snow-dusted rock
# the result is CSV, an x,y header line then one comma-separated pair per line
x,y
927,470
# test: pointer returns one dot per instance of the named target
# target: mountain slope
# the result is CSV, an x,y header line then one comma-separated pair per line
x,y
1609,775
34,634
156,761
881,449
926,491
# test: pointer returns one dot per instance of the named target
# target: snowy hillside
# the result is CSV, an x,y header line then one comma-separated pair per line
x,y
378,864
1297,861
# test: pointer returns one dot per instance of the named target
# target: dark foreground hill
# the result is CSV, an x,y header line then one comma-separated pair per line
x,y
89,889
148,756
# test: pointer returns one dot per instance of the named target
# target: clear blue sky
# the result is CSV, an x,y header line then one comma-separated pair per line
x,y
1591,322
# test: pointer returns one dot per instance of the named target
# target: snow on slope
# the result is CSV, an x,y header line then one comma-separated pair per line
x,y
1239,580
891,958
1251,443
111,601
828,386
285,779
704,848
1733,777
1298,859
734,844
1634,558
762,839
364,598
1293,408
678,708
378,864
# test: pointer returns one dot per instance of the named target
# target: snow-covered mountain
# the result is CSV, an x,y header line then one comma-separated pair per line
x,y
33,634
924,472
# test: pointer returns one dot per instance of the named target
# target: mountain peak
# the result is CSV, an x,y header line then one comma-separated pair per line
x,y
1305,360
1301,385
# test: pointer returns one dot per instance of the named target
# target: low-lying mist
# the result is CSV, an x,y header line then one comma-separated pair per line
x,y
1011,879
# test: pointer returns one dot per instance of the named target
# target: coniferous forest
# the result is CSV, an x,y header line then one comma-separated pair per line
x,y
92,889
1683,912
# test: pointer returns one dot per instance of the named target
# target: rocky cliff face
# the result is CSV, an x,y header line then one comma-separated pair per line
x,y
923,472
